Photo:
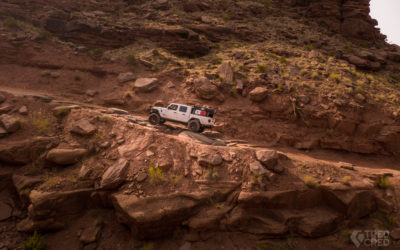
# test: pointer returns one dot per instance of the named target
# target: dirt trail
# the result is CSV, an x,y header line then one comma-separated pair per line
x,y
381,163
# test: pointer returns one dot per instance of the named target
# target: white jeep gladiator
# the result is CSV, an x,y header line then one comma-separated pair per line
x,y
196,118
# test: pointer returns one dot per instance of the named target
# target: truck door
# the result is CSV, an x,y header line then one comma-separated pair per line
x,y
183,114
171,112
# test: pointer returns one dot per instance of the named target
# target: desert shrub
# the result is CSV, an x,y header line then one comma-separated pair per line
x,y
348,49
147,246
244,68
11,23
42,124
104,118
35,242
156,174
234,91
96,53
131,59
303,72
383,182
279,87
314,75
334,77
360,90
174,178
309,46
282,60
217,45
218,61
310,182
330,131
128,94
395,77
381,97
45,34
61,112
392,221
262,68
346,180
266,3
365,45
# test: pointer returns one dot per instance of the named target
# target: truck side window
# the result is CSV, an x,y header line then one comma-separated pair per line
x,y
183,109
173,106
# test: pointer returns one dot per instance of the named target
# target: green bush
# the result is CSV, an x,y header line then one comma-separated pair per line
x,y
348,49
310,182
334,77
41,123
96,53
156,174
131,60
61,112
234,91
383,182
11,23
35,242
262,68
283,59
44,34
309,46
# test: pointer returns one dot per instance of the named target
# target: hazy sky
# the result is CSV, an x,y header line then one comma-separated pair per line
x,y
387,14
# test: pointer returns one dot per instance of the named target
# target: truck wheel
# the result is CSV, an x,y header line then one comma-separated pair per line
x,y
154,119
194,125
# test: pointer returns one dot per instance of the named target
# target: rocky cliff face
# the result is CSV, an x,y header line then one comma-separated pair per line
x,y
348,17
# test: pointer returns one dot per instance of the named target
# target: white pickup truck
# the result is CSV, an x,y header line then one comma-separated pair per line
x,y
195,117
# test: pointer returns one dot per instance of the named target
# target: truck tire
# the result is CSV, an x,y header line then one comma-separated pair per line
x,y
154,118
194,125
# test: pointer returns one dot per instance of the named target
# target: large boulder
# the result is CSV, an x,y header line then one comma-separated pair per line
x,y
24,151
258,94
126,77
257,169
22,182
90,234
3,132
156,216
209,158
2,98
65,156
390,137
10,123
5,211
225,72
205,89
83,127
363,63
146,84
50,210
115,175
268,158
